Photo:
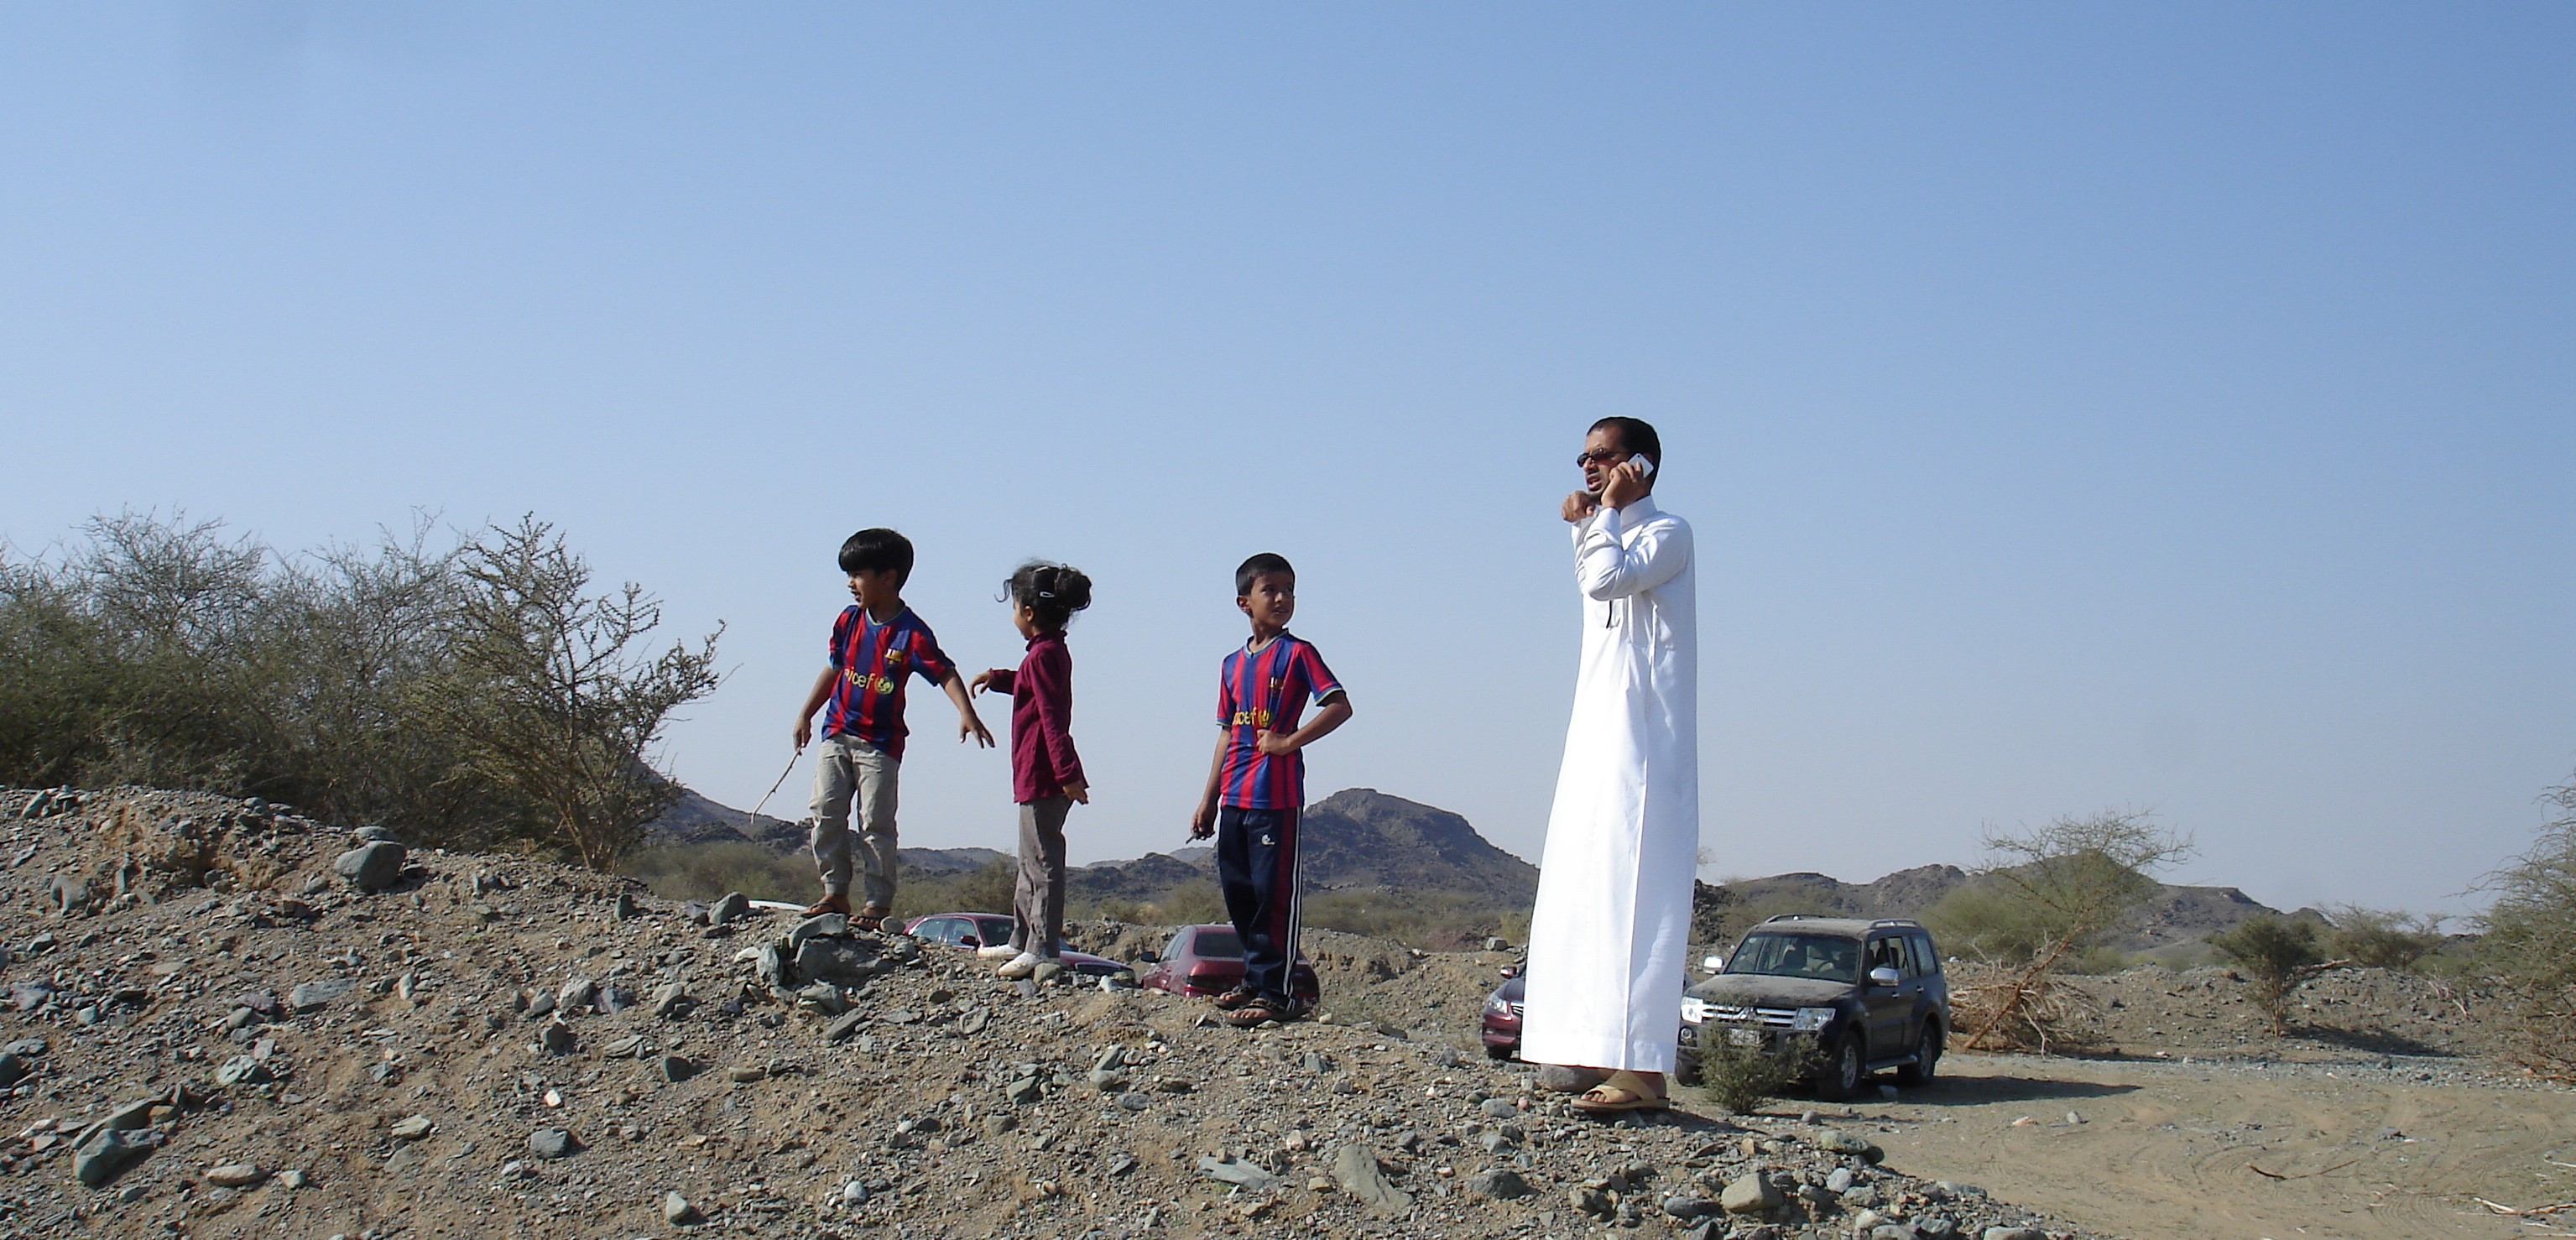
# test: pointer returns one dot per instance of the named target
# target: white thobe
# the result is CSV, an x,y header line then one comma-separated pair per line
x,y
1612,923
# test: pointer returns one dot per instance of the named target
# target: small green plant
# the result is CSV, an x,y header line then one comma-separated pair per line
x,y
2383,938
2275,956
1742,1078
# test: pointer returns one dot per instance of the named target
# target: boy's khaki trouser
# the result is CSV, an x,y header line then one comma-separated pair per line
x,y
1037,924
855,770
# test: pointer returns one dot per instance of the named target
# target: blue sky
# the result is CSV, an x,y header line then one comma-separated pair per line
x,y
2078,408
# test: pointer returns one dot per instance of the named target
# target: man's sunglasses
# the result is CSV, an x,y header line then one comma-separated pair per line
x,y
1601,456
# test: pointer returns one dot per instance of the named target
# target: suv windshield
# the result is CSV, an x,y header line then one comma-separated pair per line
x,y
1798,955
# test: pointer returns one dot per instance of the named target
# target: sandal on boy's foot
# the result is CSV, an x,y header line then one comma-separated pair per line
x,y
1235,998
1261,1012
870,918
833,903
1624,1091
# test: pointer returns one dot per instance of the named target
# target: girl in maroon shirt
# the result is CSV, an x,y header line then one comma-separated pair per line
x,y
1046,773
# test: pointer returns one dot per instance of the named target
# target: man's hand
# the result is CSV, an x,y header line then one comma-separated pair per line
x,y
1276,744
1203,821
1579,505
804,732
969,725
1625,484
982,681
1079,794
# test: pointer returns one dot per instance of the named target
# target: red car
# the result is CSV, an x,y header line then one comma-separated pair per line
x,y
972,930
1501,1021
1208,960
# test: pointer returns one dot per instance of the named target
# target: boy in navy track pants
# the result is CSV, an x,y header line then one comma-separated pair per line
x,y
1257,784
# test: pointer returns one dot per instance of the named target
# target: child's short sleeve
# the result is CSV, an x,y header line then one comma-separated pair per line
x,y
1225,695
927,658
1320,683
839,654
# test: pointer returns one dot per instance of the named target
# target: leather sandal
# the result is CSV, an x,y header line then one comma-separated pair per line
x,y
1235,998
870,918
1624,1091
1260,1012
833,903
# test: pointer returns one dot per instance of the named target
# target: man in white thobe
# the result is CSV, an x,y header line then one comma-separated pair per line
x,y
1612,923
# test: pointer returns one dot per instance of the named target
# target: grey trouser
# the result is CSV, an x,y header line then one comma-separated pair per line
x,y
855,769
1037,910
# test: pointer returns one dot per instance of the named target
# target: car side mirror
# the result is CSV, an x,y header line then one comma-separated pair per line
x,y
1883,976
1713,964
1147,957
1511,970
969,941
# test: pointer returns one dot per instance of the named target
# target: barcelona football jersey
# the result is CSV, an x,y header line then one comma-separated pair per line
x,y
1265,691
874,660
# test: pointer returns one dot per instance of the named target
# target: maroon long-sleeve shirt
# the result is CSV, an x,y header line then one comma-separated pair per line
x,y
1042,756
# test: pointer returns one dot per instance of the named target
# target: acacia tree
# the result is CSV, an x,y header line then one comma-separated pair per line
x,y
554,698
2530,942
2051,891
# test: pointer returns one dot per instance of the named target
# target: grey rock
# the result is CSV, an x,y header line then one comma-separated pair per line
x,y
670,1000
1861,1196
1589,1201
745,1076
1892,1231
624,909
557,1038
2015,1233
623,1047
823,925
28,996
1500,1184
1023,1090
773,968
12,1068
25,1048
1559,1079
1499,1108
677,1211
676,1068
135,1114
552,1143
110,1151
1355,1169
1836,1141
320,993
235,1175
575,995
292,1178
1239,1173
1686,1207
848,1024
66,893
733,906
413,1128
842,962
1047,972
973,1020
1751,1194
1135,1101
243,1070
542,1006
1935,1227
824,998
1840,1181
372,867
375,834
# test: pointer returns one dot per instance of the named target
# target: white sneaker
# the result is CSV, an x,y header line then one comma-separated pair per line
x,y
1021,966
996,951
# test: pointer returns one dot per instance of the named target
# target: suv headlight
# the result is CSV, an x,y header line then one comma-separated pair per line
x,y
1694,1010
1810,1020
1495,1004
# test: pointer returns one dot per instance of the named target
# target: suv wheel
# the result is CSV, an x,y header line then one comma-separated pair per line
x,y
1842,1075
1927,1055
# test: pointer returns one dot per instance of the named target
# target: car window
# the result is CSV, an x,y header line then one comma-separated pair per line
x,y
1212,944
1798,955
1927,963
942,930
1887,953
991,930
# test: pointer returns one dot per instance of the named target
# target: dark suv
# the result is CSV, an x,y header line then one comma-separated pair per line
x,y
1862,995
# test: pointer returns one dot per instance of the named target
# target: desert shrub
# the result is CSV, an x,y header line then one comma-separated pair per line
x,y
2016,1009
2530,942
2275,955
2048,895
705,871
2383,938
165,652
1190,903
992,887
1743,1078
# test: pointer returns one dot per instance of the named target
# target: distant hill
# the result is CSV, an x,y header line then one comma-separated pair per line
x,y
2177,914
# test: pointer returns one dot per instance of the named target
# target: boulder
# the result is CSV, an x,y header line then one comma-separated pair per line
x,y
110,1151
1355,1169
319,993
372,867
842,962
732,907
1752,1194
552,1143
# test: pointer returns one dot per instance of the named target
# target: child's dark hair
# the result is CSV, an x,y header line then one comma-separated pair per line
x,y
875,551
1051,592
1251,571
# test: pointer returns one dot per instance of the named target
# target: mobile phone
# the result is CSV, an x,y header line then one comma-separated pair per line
x,y
1645,467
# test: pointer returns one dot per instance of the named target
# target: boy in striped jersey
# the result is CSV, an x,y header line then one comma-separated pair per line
x,y
1257,784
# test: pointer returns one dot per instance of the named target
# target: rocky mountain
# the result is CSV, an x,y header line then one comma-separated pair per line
x,y
2177,915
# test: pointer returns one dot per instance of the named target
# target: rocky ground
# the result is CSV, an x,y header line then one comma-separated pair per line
x,y
225,1020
